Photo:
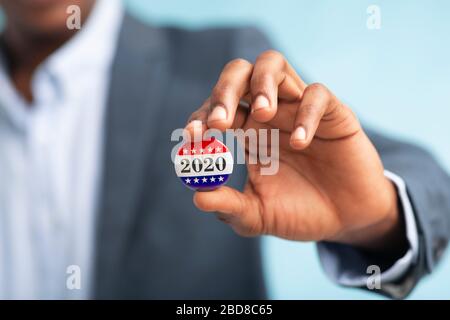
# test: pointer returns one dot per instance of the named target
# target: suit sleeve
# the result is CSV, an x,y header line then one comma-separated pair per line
x,y
428,188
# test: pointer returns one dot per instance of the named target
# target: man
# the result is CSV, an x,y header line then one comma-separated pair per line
x,y
87,183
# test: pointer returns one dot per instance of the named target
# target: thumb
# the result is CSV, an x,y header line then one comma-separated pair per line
x,y
224,199
234,207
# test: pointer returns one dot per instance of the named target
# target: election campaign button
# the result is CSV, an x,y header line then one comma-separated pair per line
x,y
204,165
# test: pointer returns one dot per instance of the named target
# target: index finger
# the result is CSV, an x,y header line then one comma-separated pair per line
x,y
233,84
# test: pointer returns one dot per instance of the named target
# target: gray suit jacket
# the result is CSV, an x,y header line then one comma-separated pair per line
x,y
151,241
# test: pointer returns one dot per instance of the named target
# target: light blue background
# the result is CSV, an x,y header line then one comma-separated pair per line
x,y
396,78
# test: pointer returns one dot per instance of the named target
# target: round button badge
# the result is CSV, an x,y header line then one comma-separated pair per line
x,y
204,165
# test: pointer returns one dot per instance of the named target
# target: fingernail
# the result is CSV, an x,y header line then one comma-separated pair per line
x,y
261,102
219,113
300,134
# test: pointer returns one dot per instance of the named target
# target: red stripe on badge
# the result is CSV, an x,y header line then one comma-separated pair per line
x,y
212,146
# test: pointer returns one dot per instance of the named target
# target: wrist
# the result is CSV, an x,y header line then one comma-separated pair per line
x,y
386,234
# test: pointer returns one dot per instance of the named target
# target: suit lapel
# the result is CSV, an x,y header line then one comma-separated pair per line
x,y
137,84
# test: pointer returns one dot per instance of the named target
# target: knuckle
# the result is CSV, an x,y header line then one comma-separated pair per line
x,y
271,54
274,56
321,93
238,63
318,88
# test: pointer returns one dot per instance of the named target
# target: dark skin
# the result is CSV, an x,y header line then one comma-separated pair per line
x,y
330,186
37,27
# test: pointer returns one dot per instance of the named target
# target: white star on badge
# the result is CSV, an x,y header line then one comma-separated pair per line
x,y
196,180
185,151
210,149
213,179
218,149
220,179
188,181
205,180
201,150
194,151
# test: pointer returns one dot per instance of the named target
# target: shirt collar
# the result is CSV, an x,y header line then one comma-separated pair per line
x,y
92,48
88,54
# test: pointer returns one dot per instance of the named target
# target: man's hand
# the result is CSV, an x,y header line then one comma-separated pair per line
x,y
330,184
